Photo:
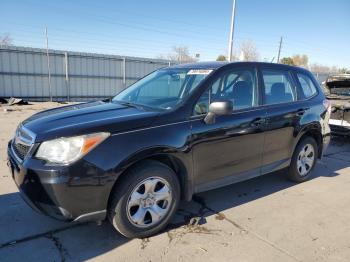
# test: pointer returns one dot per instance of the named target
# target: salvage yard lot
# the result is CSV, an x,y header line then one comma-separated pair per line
x,y
263,219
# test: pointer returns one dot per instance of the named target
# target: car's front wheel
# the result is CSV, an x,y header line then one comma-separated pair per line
x,y
303,160
145,200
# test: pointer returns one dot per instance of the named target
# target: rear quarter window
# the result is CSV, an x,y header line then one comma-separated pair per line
x,y
307,85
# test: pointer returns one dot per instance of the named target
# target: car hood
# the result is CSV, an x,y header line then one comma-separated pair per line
x,y
88,118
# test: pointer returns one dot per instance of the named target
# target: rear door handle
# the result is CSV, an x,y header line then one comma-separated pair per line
x,y
258,122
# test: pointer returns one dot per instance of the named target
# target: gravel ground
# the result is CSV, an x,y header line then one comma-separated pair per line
x,y
263,219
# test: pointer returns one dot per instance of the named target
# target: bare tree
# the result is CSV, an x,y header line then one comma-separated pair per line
x,y
248,51
162,56
300,60
5,40
323,69
180,54
344,70
320,69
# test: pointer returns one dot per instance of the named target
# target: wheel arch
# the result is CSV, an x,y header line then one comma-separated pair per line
x,y
177,161
314,131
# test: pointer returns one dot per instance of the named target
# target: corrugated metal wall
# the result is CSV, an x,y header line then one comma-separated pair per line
x,y
74,76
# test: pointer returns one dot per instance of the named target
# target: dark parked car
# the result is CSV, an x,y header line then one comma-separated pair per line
x,y
338,93
178,131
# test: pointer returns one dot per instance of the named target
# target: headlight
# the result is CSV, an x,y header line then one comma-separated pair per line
x,y
66,150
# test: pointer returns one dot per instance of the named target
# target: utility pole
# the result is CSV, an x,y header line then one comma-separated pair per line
x,y
230,46
48,63
279,50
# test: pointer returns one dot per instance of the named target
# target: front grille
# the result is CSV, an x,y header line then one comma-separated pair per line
x,y
22,142
20,150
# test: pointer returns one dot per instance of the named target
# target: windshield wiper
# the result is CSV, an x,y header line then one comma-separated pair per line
x,y
139,106
128,104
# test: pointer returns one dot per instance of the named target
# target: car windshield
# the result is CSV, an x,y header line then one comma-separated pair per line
x,y
163,89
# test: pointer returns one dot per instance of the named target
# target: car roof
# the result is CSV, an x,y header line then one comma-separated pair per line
x,y
201,65
218,64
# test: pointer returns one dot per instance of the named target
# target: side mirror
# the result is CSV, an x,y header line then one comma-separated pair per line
x,y
218,108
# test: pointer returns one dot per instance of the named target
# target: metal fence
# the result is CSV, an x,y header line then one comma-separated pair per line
x,y
74,76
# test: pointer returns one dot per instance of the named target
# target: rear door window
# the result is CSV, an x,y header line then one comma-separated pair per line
x,y
307,86
278,87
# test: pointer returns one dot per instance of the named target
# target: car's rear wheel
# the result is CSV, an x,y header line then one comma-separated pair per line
x,y
145,200
304,160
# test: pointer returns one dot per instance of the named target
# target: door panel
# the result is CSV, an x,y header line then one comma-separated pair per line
x,y
281,129
283,116
232,146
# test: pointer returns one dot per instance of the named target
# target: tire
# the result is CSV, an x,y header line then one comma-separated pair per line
x,y
145,200
301,165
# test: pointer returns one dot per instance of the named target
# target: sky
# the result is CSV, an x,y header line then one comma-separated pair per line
x,y
317,28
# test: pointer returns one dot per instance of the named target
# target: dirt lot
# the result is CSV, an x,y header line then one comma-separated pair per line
x,y
264,219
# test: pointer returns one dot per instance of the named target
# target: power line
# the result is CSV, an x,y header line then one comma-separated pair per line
x,y
199,39
73,32
96,43
135,25
63,36
85,8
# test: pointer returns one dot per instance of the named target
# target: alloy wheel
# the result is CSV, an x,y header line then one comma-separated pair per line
x,y
149,202
306,159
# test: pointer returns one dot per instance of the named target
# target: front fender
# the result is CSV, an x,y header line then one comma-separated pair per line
x,y
120,151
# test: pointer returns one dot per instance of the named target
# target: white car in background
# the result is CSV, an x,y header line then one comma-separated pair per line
x,y
338,92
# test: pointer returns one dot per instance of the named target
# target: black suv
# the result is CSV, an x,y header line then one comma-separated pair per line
x,y
176,132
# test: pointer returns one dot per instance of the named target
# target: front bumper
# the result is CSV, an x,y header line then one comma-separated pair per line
x,y
71,193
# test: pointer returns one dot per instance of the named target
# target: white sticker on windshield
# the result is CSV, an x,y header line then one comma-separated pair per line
x,y
199,72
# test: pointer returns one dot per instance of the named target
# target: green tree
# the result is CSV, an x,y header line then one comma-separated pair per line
x,y
221,58
287,61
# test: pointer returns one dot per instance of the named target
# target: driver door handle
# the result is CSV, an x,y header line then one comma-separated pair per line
x,y
301,111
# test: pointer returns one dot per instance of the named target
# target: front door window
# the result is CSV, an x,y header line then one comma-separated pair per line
x,y
237,85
